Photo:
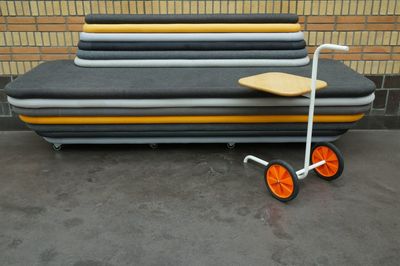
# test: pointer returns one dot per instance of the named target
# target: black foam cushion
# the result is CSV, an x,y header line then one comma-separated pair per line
x,y
64,80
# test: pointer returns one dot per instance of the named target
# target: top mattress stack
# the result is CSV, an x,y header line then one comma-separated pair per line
x,y
191,41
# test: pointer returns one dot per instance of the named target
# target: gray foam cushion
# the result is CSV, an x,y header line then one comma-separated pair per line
x,y
62,79
276,110
186,133
202,18
189,127
221,54
194,46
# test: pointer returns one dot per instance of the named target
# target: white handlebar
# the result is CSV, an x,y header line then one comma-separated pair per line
x,y
312,101
333,47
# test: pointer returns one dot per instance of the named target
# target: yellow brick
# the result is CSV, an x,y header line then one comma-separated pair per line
x,y
223,7
61,38
337,7
79,8
5,68
328,37
20,67
375,66
16,39
31,38
360,67
389,67
353,65
38,38
364,38
46,39
95,6
216,7
71,8
68,39
186,7
86,7
2,39
27,66
53,39
64,8
349,38
26,8
11,9
171,7
360,8
384,7
13,67
8,37
312,36
379,38
202,7
75,38
375,7
140,7
394,39
307,8
357,38
386,37
276,6
353,8
124,7
178,7
285,6
24,38
391,7
103,7
371,37
382,67
3,8
367,67
396,67
117,7
57,8
320,38
209,7
49,7
330,9
342,37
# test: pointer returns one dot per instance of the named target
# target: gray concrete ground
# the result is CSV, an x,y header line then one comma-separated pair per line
x,y
194,205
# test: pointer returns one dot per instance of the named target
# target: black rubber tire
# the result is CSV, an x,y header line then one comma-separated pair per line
x,y
338,155
293,175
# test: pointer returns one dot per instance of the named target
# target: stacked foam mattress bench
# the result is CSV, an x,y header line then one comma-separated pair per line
x,y
160,100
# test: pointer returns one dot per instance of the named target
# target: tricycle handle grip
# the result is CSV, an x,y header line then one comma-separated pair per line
x,y
335,47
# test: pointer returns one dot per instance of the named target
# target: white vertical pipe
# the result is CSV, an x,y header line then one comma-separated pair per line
x,y
312,100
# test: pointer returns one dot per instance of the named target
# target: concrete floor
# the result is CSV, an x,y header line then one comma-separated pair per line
x,y
194,205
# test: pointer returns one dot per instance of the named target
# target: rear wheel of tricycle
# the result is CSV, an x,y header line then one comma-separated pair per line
x,y
333,168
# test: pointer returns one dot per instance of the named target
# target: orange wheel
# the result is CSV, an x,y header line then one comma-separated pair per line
x,y
281,180
334,165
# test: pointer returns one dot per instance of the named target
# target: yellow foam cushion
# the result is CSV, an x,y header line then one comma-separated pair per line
x,y
205,27
188,119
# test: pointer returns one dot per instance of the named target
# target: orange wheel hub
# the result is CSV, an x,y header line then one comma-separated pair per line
x,y
280,181
331,167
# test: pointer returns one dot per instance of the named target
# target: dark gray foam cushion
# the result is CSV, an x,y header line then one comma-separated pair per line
x,y
190,127
276,110
222,54
194,46
202,18
98,134
61,79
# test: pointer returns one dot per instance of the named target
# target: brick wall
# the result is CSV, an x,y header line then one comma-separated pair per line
x,y
35,31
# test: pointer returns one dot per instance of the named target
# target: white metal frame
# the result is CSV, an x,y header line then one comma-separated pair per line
x,y
302,173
